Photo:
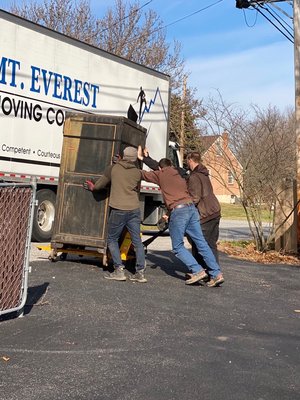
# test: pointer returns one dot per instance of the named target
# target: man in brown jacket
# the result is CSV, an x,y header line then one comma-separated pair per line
x,y
125,178
201,191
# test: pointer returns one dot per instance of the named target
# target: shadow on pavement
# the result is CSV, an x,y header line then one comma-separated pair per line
x,y
168,263
35,295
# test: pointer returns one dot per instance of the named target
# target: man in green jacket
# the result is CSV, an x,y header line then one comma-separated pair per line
x,y
125,179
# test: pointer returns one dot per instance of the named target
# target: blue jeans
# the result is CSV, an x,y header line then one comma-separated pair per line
x,y
118,220
183,221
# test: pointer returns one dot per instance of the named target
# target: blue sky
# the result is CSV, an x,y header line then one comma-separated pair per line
x,y
248,65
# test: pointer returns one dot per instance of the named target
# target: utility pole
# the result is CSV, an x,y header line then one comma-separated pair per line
x,y
297,103
182,128
296,18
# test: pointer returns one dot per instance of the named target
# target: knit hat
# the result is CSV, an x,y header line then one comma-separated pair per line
x,y
130,154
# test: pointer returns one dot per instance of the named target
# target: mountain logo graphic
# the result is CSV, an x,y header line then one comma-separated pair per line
x,y
146,108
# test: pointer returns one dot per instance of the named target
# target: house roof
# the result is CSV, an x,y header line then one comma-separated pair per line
x,y
208,141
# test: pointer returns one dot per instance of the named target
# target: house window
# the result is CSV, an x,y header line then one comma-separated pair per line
x,y
230,178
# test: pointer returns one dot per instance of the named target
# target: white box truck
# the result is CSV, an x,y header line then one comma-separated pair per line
x,y
43,74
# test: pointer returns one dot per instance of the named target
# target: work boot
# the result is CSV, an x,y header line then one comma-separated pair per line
x,y
216,281
138,277
117,275
193,278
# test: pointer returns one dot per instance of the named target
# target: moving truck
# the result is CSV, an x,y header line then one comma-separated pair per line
x,y
43,75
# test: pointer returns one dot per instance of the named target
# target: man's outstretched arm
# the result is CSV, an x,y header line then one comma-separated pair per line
x,y
101,183
143,155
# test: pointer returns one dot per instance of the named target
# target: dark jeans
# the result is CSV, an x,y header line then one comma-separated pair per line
x,y
210,230
118,220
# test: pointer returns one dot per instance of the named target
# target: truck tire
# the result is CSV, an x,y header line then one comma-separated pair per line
x,y
43,216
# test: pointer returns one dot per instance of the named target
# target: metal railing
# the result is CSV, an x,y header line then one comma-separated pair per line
x,y
17,203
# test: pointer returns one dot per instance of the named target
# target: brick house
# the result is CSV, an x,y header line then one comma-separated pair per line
x,y
223,167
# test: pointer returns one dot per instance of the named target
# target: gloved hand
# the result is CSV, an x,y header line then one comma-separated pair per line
x,y
88,185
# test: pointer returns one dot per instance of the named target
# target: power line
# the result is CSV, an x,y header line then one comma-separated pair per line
x,y
282,19
257,4
246,22
277,19
173,22
283,11
268,19
127,16
192,14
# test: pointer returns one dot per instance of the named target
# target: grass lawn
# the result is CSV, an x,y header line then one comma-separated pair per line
x,y
228,211
236,211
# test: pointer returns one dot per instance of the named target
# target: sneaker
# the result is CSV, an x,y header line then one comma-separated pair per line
x,y
117,275
217,281
138,277
189,275
193,278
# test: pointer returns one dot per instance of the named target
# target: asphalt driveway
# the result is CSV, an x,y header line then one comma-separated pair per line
x,y
83,337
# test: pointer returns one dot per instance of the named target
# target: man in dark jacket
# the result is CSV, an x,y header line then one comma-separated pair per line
x,y
201,191
125,178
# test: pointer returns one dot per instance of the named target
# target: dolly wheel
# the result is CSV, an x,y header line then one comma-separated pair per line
x,y
52,256
63,256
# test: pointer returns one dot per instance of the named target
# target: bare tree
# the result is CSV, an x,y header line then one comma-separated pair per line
x,y
125,30
66,16
140,36
263,140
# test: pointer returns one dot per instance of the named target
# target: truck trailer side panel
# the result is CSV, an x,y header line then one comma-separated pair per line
x,y
43,74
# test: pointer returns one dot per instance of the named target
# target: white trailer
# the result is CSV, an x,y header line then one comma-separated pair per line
x,y
43,74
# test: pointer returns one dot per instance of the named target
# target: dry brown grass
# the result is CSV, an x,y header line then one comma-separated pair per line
x,y
248,252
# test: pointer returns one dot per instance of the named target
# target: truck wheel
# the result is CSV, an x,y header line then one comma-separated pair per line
x,y
43,215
